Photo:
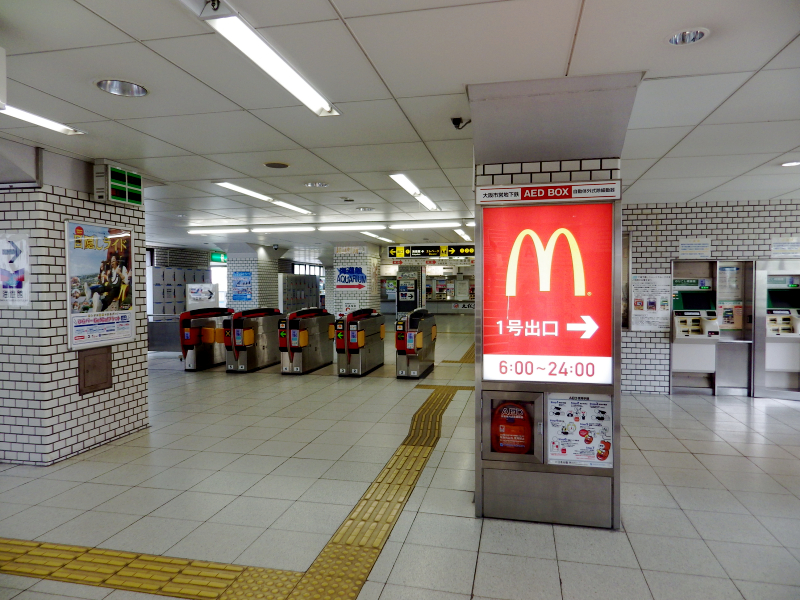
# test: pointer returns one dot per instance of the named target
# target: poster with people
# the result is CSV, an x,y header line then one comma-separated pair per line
x,y
100,283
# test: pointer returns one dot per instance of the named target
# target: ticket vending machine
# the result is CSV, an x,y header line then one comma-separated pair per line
x,y
776,369
548,316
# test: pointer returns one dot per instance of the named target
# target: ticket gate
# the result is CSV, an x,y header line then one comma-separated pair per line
x,y
359,342
250,338
305,341
415,339
199,338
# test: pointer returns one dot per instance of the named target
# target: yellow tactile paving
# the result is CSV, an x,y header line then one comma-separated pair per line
x,y
338,573
469,357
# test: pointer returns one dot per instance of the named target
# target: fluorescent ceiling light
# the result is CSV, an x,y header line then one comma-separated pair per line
x,y
207,231
252,45
281,229
245,191
405,183
463,235
423,225
40,121
470,223
352,227
292,207
377,237
791,164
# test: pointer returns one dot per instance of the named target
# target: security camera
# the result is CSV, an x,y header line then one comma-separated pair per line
x,y
459,123
274,246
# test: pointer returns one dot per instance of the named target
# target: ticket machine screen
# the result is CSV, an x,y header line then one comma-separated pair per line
x,y
698,300
783,298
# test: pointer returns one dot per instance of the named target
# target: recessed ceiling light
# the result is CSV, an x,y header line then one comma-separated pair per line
x,y
251,193
210,231
352,227
40,121
377,237
346,199
365,209
791,164
287,229
423,225
319,184
688,36
405,183
122,88
463,235
277,165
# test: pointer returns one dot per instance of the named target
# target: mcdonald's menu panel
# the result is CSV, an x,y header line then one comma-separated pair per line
x,y
548,293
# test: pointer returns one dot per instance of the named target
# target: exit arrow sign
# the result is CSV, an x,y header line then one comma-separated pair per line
x,y
340,335
283,334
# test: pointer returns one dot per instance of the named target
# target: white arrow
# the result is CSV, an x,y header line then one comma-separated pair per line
x,y
588,327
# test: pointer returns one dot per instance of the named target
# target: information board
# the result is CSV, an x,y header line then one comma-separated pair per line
x,y
548,293
422,251
15,270
241,286
651,300
580,430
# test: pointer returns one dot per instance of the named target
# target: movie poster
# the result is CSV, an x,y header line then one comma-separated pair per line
x,y
100,283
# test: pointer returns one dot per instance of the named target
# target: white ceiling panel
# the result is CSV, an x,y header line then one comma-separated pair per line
x,y
360,123
211,59
159,192
793,195
327,56
392,158
452,154
148,19
44,25
734,196
430,116
789,58
663,102
422,179
773,167
337,182
630,35
244,214
651,143
768,96
440,51
443,194
72,74
103,139
779,183
704,166
215,203
460,177
214,133
692,184
629,197
360,8
26,98
300,161
269,13
214,190
633,168
183,168
742,138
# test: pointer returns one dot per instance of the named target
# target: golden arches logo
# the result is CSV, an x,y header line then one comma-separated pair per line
x,y
544,255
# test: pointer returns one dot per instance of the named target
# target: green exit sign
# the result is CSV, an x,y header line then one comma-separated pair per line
x,y
219,257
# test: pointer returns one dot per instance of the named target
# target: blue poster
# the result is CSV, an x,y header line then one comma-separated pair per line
x,y
242,286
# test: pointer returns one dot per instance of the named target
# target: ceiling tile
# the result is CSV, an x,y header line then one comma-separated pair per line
x,y
204,203
334,199
789,58
300,161
214,190
26,98
692,184
183,168
160,192
735,196
662,102
148,19
71,75
440,51
630,35
359,8
629,197
46,25
267,13
704,166
651,143
780,184
773,167
430,116
633,168
763,98
337,182
422,179
460,177
244,213
468,195
394,158
214,132
743,138
360,123
210,59
793,195
452,154
327,56
103,139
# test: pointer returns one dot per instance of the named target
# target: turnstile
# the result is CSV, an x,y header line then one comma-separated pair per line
x,y
199,337
415,343
305,341
251,338
359,342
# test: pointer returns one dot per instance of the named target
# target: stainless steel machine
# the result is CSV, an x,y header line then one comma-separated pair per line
x,y
199,338
251,339
415,341
305,341
359,342
777,329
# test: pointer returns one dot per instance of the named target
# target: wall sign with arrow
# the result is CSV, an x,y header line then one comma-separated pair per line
x,y
15,284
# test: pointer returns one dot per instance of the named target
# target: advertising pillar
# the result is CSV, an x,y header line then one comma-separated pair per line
x,y
548,353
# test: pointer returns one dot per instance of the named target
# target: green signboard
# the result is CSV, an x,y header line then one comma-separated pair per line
x,y
219,257
125,187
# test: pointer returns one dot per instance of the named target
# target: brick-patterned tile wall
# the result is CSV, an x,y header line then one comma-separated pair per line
x,y
182,258
43,419
370,296
265,280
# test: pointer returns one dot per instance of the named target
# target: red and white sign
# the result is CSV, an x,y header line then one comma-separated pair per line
x,y
587,190
548,293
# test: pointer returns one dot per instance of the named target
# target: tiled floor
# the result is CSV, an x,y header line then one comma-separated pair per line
x,y
260,470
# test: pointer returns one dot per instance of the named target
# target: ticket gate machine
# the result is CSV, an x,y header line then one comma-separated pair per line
x,y
359,342
199,337
250,338
415,340
305,341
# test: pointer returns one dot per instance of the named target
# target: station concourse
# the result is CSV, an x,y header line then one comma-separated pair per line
x,y
422,299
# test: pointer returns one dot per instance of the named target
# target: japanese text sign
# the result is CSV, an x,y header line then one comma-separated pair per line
x,y
548,192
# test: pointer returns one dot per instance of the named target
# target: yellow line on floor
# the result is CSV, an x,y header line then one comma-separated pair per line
x,y
338,573
469,357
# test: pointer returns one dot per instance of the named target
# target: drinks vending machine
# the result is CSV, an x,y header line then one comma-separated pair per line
x,y
548,313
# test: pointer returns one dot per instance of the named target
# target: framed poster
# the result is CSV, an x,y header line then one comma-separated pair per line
x,y
580,430
100,285
15,282
241,289
652,302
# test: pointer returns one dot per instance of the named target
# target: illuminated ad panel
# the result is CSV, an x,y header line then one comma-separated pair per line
x,y
548,293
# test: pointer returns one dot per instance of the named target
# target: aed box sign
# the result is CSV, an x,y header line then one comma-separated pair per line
x,y
548,292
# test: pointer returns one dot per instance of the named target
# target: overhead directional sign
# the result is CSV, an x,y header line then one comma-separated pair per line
x,y
423,251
